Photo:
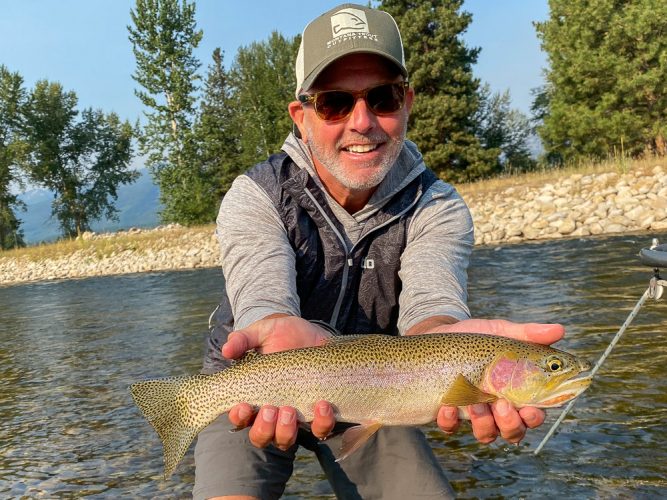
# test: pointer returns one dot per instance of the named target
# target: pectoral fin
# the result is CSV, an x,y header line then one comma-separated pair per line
x,y
463,393
355,437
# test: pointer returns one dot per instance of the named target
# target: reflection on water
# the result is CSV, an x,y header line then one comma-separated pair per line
x,y
69,349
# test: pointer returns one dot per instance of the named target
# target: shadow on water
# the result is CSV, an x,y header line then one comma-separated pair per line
x,y
69,349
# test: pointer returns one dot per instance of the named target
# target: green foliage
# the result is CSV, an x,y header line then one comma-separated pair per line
x,y
217,139
244,116
501,127
605,91
82,162
440,67
12,97
263,82
163,38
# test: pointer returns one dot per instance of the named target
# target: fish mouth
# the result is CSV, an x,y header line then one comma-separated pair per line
x,y
567,391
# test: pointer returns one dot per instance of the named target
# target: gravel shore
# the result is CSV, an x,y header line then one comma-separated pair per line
x,y
576,205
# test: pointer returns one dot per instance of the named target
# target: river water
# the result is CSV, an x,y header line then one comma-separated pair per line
x,y
69,350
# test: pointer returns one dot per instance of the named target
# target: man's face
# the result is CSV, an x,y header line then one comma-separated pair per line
x,y
355,153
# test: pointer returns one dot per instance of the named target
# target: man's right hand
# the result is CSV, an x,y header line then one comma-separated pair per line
x,y
271,424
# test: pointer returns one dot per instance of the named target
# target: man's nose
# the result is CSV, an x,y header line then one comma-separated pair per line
x,y
362,118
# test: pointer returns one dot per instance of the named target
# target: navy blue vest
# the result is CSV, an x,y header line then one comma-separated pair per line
x,y
354,290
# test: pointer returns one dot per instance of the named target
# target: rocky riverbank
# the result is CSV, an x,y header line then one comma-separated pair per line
x,y
575,205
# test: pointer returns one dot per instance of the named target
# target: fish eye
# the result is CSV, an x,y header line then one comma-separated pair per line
x,y
554,364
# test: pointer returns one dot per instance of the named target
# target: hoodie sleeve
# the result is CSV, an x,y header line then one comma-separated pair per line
x,y
435,261
257,259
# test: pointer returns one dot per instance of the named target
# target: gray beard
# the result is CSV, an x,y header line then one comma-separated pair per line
x,y
333,164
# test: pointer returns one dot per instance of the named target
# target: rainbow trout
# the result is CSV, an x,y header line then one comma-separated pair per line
x,y
372,380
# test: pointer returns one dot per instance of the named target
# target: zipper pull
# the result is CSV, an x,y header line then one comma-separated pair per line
x,y
350,262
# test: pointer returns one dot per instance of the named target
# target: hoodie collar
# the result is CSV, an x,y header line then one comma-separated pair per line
x,y
408,166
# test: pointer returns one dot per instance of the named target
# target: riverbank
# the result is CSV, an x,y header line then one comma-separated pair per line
x,y
535,206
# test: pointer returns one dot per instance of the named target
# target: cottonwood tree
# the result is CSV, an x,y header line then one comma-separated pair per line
x,y
440,68
605,89
164,35
83,161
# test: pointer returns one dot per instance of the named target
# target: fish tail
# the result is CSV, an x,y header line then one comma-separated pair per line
x,y
164,403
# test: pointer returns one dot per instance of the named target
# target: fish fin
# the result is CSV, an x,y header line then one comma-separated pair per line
x,y
463,393
158,400
355,437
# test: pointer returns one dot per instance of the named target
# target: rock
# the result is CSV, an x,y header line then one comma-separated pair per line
x,y
566,226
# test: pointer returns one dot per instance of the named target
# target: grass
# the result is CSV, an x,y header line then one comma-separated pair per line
x,y
545,176
107,245
104,246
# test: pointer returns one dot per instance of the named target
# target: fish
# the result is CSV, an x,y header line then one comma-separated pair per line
x,y
371,380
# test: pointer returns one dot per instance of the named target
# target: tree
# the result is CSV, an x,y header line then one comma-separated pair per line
x,y
605,85
12,97
501,127
83,162
263,82
163,38
244,115
440,68
218,141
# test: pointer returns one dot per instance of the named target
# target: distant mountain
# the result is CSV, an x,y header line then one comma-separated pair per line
x,y
138,206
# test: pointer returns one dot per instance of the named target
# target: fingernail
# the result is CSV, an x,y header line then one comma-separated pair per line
x,y
479,409
286,417
324,410
244,413
529,418
502,407
269,414
451,413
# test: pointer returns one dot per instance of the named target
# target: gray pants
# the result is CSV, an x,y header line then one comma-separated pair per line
x,y
396,463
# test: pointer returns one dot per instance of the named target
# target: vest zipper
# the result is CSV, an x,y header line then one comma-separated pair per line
x,y
348,252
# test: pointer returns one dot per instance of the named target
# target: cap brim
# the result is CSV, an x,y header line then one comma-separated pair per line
x,y
308,81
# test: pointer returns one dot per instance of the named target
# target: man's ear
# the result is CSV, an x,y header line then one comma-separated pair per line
x,y
296,112
409,99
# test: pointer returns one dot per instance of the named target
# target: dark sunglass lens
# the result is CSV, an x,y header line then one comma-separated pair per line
x,y
334,105
386,99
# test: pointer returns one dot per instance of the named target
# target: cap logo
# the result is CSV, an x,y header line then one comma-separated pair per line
x,y
347,20
349,23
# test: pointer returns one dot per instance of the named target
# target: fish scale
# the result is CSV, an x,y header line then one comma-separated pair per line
x,y
374,380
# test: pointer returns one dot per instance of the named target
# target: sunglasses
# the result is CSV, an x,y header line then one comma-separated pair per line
x,y
334,105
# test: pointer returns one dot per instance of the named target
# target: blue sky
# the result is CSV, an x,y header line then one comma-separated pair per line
x,y
83,44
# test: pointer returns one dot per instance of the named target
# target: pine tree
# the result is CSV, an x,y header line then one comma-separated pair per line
x,y
12,97
605,86
217,137
262,83
164,37
440,67
501,127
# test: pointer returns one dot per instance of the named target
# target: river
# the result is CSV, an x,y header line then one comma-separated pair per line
x,y
69,350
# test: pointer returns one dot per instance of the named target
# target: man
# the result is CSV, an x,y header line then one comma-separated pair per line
x,y
345,230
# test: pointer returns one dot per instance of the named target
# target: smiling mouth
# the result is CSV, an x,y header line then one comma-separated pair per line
x,y
361,148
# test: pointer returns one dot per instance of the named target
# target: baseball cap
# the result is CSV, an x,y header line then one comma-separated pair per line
x,y
346,29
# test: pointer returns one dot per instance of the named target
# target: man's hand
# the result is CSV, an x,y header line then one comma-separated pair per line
x,y
499,418
277,425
